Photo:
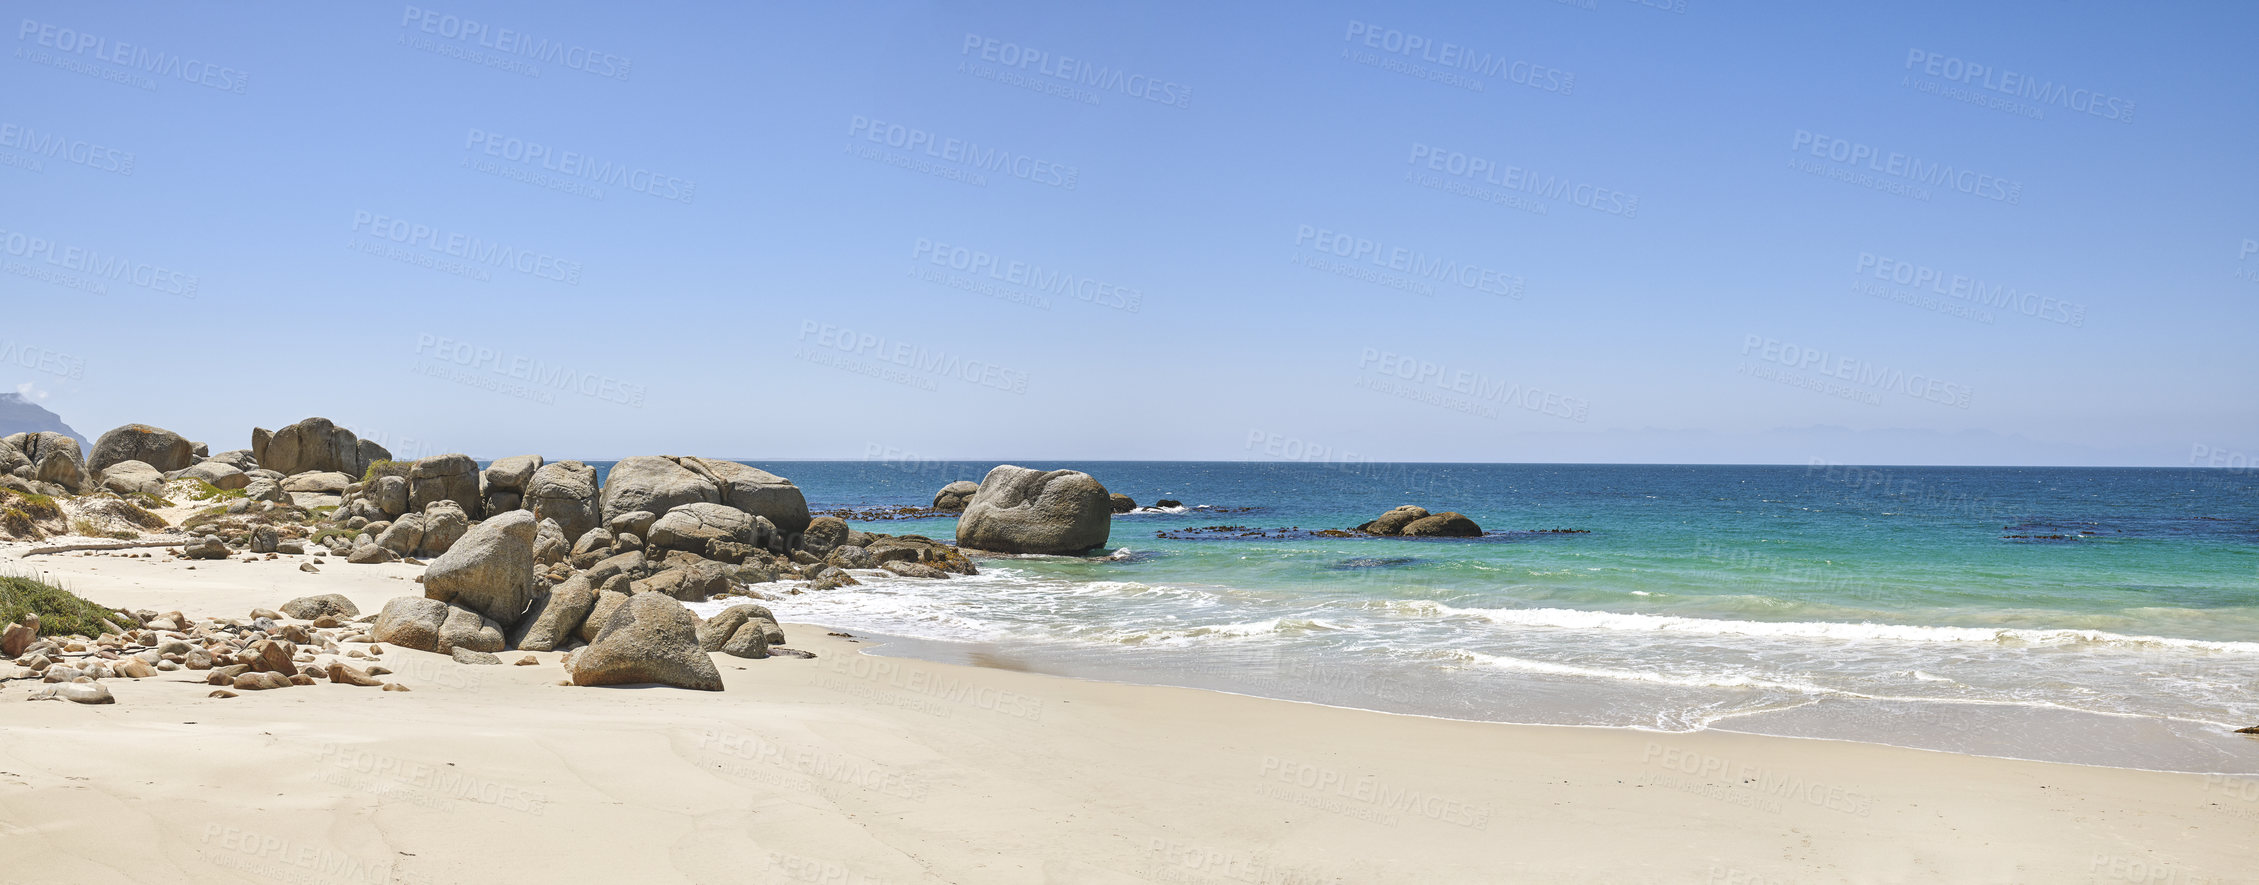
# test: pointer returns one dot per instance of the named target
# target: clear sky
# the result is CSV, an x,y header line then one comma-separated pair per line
x,y
1525,231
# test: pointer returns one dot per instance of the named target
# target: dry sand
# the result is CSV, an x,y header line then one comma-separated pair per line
x,y
853,768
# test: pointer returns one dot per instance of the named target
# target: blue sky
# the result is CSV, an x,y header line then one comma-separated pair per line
x,y
1532,231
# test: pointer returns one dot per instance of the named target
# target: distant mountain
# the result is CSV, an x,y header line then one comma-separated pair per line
x,y
19,415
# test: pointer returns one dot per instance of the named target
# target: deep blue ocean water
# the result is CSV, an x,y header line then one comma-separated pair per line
x,y
2108,616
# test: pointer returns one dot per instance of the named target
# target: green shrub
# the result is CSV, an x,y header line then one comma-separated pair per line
x,y
385,468
205,491
61,613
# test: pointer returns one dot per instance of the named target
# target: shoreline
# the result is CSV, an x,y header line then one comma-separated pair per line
x,y
870,768
879,641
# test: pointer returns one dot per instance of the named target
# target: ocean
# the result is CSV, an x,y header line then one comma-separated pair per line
x,y
2090,615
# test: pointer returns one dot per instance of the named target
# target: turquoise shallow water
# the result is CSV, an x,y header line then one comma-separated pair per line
x,y
2107,616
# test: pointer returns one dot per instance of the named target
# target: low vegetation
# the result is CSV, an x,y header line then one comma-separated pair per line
x,y
61,612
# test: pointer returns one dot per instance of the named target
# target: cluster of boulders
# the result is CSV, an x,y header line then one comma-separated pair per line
x,y
303,644
1416,522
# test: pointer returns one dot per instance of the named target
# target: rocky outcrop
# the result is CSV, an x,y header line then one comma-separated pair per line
x,y
157,447
954,496
1121,503
659,484
1394,521
756,491
650,639
314,444
51,458
490,570
1416,522
451,477
1019,510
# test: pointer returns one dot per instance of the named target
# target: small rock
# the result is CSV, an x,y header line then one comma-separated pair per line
x,y
394,686
222,693
480,658
528,661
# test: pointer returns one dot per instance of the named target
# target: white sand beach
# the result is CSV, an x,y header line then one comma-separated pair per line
x,y
852,768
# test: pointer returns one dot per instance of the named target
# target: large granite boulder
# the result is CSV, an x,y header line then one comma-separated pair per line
x,y
650,639
656,484
824,534
1448,524
444,523
410,622
490,570
608,601
314,444
452,477
390,494
954,496
467,629
755,491
566,492
226,477
693,526
1394,521
1019,510
504,482
12,460
157,447
404,535
556,617
320,482
131,477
